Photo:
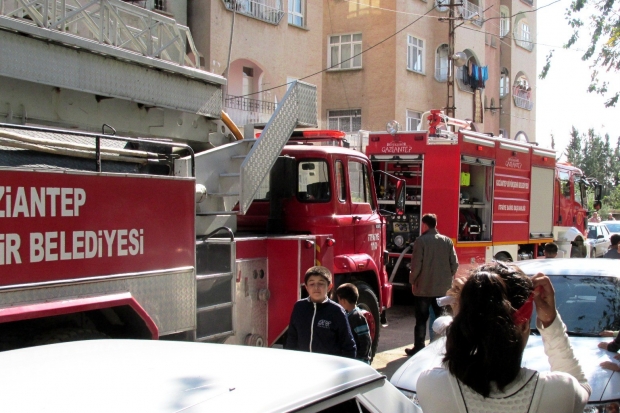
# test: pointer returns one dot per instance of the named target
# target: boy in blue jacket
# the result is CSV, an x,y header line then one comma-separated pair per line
x,y
318,324
347,297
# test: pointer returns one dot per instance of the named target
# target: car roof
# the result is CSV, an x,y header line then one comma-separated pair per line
x,y
167,376
571,266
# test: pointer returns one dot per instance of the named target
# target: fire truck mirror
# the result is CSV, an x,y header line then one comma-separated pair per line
x,y
598,189
401,191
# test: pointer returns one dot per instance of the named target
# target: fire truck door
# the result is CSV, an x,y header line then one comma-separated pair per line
x,y
366,219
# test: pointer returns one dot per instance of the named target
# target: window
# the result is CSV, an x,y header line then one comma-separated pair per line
x,y
296,12
522,92
340,186
415,54
313,182
413,120
359,183
504,83
345,51
349,120
504,21
521,137
522,33
463,73
441,63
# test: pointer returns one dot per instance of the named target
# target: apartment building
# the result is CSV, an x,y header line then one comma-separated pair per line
x,y
403,71
383,59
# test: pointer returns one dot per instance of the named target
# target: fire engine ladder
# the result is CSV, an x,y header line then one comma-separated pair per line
x,y
230,175
227,179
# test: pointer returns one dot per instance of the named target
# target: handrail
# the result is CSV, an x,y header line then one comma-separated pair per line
x,y
111,22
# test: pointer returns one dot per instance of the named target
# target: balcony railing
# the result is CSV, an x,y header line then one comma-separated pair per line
x,y
522,99
110,22
469,10
525,41
269,11
245,111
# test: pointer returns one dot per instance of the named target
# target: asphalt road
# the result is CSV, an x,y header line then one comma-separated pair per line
x,y
397,336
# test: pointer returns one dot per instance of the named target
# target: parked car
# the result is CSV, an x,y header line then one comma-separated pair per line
x,y
587,297
167,376
598,239
612,226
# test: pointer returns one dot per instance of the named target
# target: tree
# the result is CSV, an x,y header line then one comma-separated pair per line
x,y
573,151
604,51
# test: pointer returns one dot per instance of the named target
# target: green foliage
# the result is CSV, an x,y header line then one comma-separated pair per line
x,y
593,154
603,17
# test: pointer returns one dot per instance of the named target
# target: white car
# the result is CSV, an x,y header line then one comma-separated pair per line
x,y
598,239
167,376
612,226
587,297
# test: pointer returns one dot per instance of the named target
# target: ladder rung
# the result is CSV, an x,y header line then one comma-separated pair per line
x,y
230,175
238,157
223,194
206,214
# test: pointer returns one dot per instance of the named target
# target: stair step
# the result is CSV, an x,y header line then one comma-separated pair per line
x,y
223,194
230,175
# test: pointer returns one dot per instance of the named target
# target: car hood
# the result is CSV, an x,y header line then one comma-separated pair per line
x,y
605,383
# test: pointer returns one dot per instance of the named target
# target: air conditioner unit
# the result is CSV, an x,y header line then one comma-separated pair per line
x,y
442,6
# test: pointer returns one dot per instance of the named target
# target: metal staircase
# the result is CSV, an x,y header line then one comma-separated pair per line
x,y
232,174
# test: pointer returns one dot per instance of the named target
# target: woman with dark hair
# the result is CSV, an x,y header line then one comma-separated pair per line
x,y
482,366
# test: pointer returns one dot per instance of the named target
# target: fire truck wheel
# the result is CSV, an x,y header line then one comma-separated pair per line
x,y
502,256
63,335
368,301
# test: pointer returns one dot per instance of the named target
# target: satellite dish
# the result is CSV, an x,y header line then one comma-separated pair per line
x,y
459,58
392,127
442,6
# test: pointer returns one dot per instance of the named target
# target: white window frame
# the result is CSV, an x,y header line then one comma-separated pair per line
x,y
504,83
504,21
292,13
413,120
346,50
438,66
338,115
415,48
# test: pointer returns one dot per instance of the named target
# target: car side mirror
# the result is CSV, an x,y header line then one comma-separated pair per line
x,y
399,198
600,236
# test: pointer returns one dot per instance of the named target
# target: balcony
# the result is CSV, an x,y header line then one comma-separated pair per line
x,y
111,22
245,111
524,40
269,11
522,99
470,10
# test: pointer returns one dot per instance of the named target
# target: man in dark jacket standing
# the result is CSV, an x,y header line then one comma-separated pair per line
x,y
318,324
433,265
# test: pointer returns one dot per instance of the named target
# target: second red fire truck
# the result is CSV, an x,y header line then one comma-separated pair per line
x,y
495,198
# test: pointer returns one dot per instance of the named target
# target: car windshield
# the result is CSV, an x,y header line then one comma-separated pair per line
x,y
587,305
613,227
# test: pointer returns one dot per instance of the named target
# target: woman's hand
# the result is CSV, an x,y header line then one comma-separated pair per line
x,y
606,333
610,365
544,298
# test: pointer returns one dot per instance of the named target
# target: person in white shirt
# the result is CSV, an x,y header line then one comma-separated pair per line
x,y
482,370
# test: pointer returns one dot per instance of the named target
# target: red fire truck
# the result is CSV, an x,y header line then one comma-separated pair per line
x,y
493,197
92,254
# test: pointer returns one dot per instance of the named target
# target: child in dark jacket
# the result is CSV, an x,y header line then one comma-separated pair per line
x,y
347,298
318,324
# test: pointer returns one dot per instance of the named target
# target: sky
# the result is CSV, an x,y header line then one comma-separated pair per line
x,y
562,100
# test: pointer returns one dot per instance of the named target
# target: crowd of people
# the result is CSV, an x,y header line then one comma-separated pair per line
x,y
486,332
